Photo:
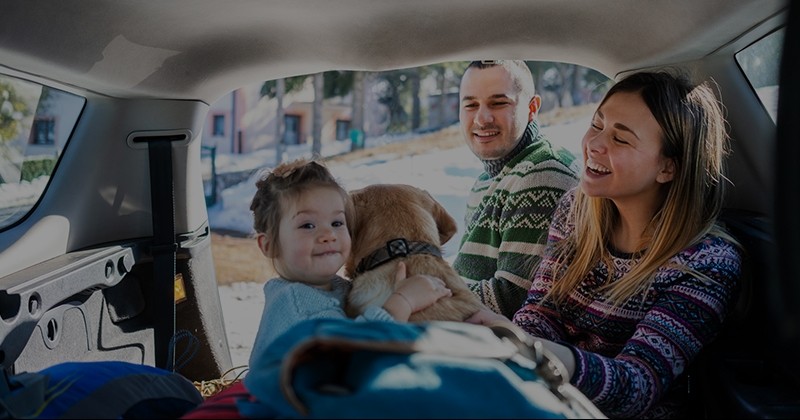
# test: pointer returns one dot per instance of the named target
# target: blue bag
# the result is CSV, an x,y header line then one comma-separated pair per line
x,y
340,368
102,390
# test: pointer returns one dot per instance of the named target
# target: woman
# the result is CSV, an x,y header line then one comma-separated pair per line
x,y
638,277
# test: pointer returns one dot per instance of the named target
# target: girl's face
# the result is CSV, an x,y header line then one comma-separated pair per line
x,y
314,241
622,153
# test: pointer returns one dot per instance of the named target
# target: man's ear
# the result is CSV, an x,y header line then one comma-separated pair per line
x,y
263,245
534,106
667,173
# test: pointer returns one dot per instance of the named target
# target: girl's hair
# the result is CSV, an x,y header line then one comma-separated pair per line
x,y
277,188
695,138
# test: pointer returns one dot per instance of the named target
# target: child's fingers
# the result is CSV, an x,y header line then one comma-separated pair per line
x,y
400,274
442,289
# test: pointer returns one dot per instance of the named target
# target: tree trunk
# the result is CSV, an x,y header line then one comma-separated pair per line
x,y
316,122
576,90
280,88
564,72
440,116
357,117
415,105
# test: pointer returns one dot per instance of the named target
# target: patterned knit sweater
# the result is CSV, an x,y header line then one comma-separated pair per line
x,y
631,360
508,212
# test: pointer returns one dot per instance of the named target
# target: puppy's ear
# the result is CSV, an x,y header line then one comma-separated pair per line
x,y
444,222
350,214
351,217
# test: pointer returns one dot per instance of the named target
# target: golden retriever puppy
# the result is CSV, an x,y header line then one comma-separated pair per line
x,y
398,222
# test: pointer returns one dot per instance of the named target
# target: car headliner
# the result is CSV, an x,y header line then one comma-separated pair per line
x,y
202,49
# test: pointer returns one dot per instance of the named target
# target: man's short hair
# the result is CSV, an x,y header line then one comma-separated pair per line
x,y
519,70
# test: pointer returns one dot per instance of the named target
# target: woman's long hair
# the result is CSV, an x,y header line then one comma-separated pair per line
x,y
695,138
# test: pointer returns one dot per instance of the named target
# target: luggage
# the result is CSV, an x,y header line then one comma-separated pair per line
x,y
341,368
101,390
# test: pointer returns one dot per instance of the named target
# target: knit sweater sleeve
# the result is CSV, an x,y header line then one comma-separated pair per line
x,y
686,317
685,312
288,303
375,313
507,231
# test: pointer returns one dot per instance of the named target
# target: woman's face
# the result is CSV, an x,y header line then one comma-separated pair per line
x,y
622,153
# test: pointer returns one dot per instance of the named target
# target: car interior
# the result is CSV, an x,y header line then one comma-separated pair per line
x,y
112,260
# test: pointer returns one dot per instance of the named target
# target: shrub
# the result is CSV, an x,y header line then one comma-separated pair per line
x,y
34,168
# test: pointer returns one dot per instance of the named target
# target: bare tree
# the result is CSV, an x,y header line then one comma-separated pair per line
x,y
316,121
357,115
416,112
280,90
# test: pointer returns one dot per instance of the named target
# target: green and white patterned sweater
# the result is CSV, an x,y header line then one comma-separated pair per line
x,y
507,217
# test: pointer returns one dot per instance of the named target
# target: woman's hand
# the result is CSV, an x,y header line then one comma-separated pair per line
x,y
489,318
486,317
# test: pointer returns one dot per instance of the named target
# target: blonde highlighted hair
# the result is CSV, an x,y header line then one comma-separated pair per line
x,y
695,138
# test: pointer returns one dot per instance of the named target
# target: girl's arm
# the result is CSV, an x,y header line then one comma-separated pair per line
x,y
414,293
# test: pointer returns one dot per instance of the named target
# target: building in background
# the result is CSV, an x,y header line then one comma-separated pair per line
x,y
243,121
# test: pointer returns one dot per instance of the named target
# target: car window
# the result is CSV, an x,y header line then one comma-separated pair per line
x,y
35,123
407,132
760,63
369,110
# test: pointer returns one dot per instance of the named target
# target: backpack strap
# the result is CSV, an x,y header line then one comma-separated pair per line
x,y
548,367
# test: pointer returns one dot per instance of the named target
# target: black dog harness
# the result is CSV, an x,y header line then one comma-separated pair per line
x,y
396,248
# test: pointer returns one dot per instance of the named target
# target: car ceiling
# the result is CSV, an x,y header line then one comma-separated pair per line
x,y
202,49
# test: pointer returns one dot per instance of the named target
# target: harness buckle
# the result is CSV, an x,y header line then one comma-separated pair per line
x,y
397,248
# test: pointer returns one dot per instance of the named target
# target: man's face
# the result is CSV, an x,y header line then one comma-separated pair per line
x,y
493,114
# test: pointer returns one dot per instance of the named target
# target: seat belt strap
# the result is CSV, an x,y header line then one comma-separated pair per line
x,y
163,250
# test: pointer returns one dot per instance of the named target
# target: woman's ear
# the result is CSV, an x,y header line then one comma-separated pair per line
x,y
667,173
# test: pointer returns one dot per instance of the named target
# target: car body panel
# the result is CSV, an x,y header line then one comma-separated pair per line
x,y
77,272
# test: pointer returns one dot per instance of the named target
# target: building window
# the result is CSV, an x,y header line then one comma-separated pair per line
x,y
291,134
218,128
342,129
44,131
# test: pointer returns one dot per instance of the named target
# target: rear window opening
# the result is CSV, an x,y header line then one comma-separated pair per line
x,y
35,124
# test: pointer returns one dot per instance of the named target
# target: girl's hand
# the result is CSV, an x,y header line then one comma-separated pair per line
x,y
414,293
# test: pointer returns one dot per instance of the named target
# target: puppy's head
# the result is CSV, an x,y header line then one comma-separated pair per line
x,y
382,212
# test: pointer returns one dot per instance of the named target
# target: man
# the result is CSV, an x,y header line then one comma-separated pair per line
x,y
511,203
